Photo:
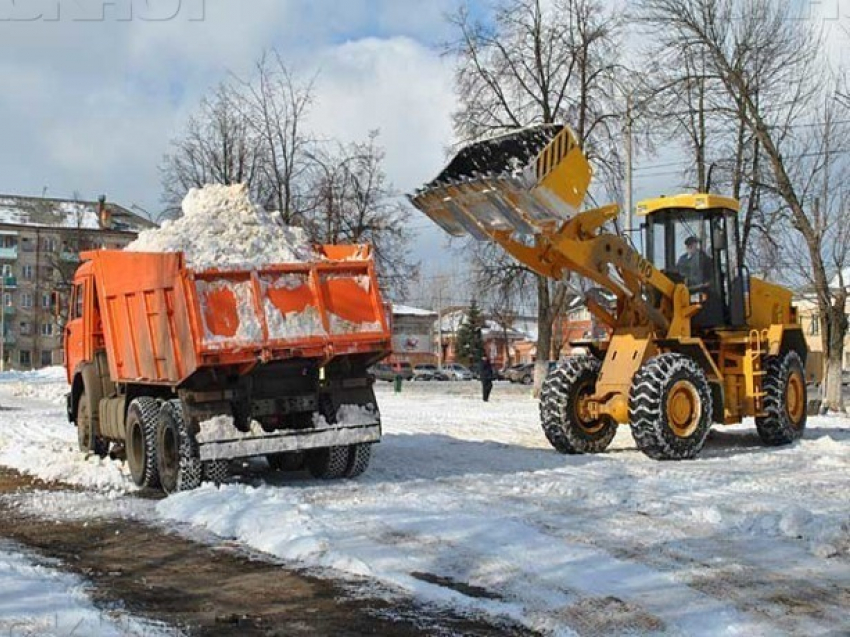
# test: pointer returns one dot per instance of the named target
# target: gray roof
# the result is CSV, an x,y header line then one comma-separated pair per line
x,y
67,213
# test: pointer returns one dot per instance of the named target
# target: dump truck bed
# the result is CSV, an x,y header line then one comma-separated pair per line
x,y
161,322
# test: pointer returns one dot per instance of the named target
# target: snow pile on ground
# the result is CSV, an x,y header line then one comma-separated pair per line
x,y
222,228
46,384
464,497
466,504
38,600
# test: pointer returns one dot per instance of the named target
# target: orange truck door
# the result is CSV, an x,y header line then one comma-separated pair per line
x,y
75,329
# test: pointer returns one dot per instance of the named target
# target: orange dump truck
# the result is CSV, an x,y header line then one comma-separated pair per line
x,y
185,370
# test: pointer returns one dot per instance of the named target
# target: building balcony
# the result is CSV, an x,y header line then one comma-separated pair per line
x,y
9,254
10,282
9,339
69,256
9,310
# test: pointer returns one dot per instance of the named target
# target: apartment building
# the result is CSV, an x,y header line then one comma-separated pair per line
x,y
40,242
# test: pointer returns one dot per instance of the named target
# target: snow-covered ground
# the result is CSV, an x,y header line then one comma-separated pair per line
x,y
39,600
466,504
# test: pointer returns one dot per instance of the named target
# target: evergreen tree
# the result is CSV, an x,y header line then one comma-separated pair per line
x,y
470,343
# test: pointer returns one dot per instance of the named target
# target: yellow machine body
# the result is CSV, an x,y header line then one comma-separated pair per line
x,y
530,204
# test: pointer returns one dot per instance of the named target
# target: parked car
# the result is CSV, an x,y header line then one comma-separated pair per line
x,y
388,371
456,371
428,372
522,373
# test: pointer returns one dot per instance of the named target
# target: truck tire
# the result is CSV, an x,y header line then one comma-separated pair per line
x,y
87,439
140,442
670,408
292,461
565,427
358,460
216,471
177,450
785,402
330,463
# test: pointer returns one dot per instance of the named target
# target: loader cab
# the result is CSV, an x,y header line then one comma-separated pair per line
x,y
693,239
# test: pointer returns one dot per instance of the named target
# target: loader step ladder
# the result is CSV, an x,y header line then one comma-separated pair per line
x,y
754,371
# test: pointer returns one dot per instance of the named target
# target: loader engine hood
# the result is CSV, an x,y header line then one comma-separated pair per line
x,y
523,181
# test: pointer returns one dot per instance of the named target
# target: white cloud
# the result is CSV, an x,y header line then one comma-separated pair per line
x,y
397,86
91,106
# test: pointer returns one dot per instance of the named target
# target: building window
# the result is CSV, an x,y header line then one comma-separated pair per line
x,y
6,270
45,300
27,272
24,358
814,326
7,299
27,244
24,328
47,329
46,358
9,242
48,244
26,300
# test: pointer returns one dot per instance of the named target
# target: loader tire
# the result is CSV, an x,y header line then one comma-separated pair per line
x,y
177,450
358,460
328,464
140,442
291,461
216,471
566,427
670,408
785,403
87,439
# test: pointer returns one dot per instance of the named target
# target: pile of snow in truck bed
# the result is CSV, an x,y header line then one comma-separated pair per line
x,y
222,228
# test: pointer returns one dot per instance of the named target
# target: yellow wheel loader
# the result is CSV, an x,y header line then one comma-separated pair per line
x,y
694,339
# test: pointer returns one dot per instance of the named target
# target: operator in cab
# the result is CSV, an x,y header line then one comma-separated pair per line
x,y
695,266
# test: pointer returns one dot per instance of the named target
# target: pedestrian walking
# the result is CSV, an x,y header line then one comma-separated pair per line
x,y
486,374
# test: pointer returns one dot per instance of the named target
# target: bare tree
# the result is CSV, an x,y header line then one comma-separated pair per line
x,y
353,202
742,39
541,64
219,146
276,105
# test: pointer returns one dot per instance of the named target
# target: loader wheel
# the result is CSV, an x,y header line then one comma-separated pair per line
x,y
328,464
292,461
87,438
140,442
785,402
670,408
565,422
177,451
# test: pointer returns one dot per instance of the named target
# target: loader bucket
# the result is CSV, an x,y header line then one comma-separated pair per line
x,y
523,181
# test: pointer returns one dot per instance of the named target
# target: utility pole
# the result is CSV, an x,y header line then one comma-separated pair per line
x,y
440,326
3,321
629,168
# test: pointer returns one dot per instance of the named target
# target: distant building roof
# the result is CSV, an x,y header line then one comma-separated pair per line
x,y
67,213
406,310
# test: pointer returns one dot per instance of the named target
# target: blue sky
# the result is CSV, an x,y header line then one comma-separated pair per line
x,y
90,106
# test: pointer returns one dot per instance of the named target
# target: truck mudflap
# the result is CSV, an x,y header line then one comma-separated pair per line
x,y
250,445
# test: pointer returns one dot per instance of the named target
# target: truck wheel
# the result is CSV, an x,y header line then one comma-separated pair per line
x,y
177,450
87,438
670,408
358,459
140,442
784,400
328,464
567,426
293,461
216,471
